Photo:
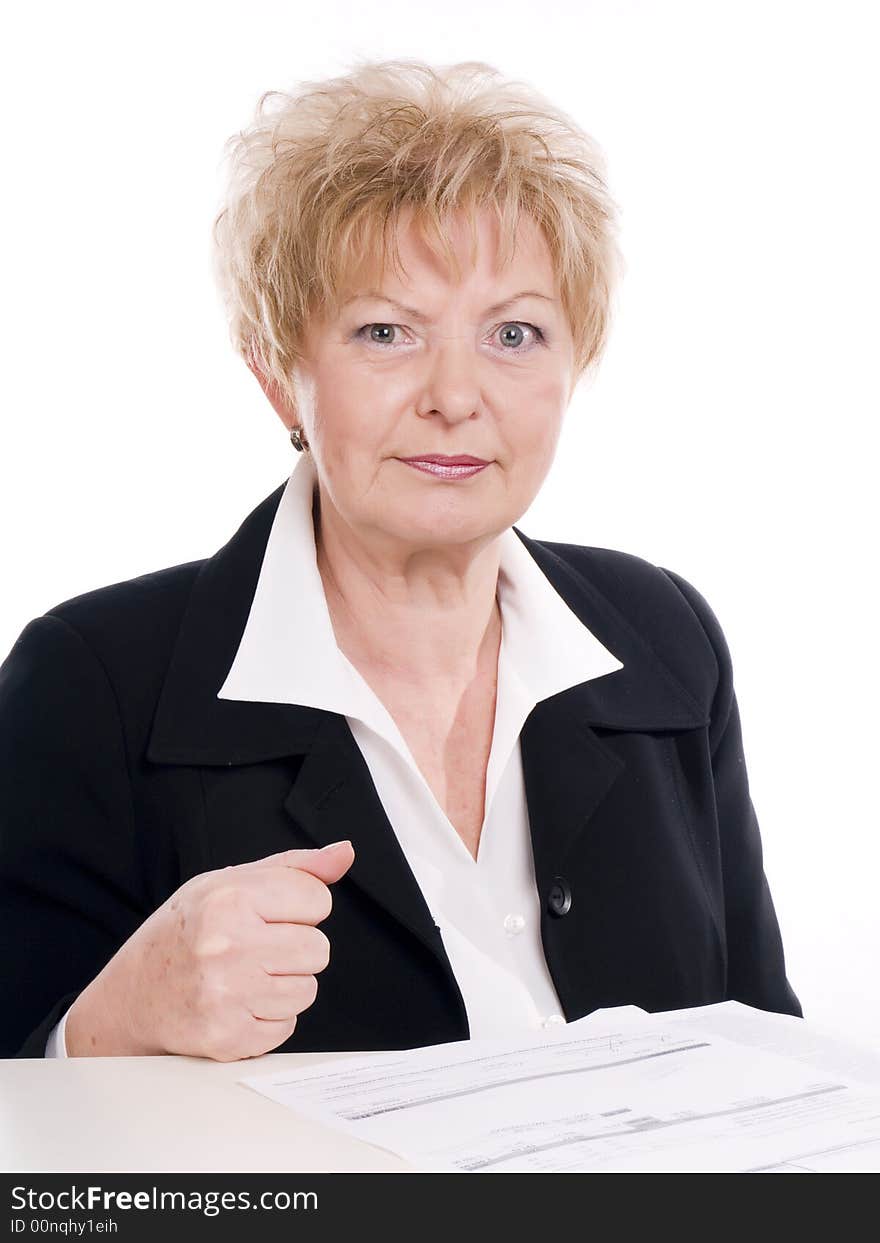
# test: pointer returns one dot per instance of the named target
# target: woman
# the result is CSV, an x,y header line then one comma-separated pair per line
x,y
504,776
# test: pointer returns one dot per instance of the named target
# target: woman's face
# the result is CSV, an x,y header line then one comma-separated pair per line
x,y
425,366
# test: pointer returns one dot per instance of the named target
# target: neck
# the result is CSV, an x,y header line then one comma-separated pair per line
x,y
423,615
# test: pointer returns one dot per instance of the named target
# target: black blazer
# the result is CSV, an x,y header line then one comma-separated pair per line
x,y
122,775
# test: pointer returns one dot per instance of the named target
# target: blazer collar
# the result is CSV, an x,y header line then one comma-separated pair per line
x,y
193,726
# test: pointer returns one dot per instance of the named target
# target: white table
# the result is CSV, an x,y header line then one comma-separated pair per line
x,y
158,1114
191,1115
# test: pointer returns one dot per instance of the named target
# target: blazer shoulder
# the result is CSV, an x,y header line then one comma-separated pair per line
x,y
129,628
667,612
135,605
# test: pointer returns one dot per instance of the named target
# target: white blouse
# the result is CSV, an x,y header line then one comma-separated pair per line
x,y
487,908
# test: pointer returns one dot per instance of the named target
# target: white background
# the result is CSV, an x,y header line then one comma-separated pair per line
x,y
729,435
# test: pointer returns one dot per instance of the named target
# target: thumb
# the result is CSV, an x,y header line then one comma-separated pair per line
x,y
327,864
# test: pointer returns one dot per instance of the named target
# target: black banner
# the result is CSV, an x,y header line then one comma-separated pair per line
x,y
193,1207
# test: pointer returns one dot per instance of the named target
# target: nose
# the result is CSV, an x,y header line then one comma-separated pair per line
x,y
451,386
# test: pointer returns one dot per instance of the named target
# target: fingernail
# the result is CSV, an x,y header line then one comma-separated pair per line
x,y
333,845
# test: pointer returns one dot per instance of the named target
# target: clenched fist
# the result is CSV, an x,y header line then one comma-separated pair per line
x,y
222,969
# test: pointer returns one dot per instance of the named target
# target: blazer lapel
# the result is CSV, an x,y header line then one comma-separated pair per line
x,y
332,798
567,773
568,769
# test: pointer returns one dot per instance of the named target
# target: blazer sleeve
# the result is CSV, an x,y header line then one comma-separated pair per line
x,y
756,962
71,877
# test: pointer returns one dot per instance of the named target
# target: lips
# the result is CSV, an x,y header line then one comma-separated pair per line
x,y
441,459
441,467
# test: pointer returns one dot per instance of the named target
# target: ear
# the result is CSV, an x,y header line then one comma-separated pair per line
x,y
281,403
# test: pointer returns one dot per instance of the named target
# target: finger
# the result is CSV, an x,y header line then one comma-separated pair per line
x,y
286,895
328,864
293,949
287,997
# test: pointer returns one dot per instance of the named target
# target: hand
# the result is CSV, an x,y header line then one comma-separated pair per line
x,y
222,969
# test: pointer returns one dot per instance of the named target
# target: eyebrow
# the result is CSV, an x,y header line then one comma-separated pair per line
x,y
412,313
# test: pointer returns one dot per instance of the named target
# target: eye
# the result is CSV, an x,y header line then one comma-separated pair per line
x,y
512,335
380,334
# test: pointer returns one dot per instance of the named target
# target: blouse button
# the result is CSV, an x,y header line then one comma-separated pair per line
x,y
553,1020
513,924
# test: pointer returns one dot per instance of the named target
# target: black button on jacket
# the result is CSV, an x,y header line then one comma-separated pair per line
x,y
122,775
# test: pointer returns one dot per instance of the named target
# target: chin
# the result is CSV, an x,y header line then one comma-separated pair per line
x,y
430,528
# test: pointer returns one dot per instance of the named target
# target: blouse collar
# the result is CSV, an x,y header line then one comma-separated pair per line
x,y
288,651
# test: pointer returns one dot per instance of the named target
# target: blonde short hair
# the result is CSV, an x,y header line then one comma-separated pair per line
x,y
319,178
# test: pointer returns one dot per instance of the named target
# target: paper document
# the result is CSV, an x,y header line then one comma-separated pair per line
x,y
619,1090
780,1033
